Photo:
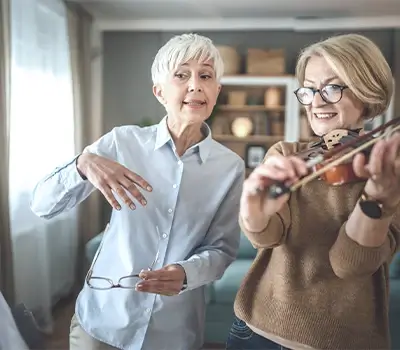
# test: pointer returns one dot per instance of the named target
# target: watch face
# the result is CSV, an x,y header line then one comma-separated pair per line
x,y
371,209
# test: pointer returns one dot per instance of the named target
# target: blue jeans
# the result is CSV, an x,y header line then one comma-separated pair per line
x,y
241,337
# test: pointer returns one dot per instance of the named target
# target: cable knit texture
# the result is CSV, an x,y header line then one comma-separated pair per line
x,y
310,283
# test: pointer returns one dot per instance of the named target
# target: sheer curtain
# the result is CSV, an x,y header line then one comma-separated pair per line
x,y
41,137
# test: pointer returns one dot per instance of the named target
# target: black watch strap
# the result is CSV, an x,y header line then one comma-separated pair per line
x,y
373,208
370,207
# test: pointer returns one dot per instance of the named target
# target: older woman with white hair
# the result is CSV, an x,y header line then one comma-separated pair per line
x,y
174,229
320,279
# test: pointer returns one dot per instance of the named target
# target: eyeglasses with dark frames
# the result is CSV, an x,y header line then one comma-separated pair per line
x,y
330,93
127,282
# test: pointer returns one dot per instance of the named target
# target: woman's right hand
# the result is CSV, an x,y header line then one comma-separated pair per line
x,y
256,207
109,176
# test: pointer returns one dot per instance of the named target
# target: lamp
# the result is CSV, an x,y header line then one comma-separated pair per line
x,y
242,127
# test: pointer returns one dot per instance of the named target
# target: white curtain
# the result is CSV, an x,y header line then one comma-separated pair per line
x,y
41,137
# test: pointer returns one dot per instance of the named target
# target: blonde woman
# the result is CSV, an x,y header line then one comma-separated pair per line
x,y
320,279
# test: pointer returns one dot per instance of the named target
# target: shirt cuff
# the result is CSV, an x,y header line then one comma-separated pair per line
x,y
190,271
71,177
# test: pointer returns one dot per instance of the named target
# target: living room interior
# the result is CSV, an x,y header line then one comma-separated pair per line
x,y
78,68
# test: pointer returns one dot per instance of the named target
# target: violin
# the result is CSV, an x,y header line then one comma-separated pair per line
x,y
331,158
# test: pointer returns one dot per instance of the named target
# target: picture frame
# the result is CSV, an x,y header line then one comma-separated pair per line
x,y
255,154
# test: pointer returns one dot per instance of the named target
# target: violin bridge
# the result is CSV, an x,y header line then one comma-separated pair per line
x,y
332,138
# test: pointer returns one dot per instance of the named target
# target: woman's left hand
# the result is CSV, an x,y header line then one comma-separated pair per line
x,y
382,171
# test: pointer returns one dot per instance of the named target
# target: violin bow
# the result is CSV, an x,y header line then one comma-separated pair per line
x,y
277,189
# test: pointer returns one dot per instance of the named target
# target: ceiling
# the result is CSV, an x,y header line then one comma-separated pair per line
x,y
229,9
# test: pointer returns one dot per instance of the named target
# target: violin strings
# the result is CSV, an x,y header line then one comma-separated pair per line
x,y
335,162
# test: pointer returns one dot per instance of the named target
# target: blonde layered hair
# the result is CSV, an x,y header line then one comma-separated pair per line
x,y
360,64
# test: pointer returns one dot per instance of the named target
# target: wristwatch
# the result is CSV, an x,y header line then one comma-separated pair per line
x,y
373,208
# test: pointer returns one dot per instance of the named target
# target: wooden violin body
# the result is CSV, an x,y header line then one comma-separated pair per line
x,y
331,158
339,174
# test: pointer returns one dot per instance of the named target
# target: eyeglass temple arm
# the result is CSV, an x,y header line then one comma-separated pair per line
x,y
90,271
158,250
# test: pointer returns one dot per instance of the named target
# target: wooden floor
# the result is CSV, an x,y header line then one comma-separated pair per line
x,y
62,318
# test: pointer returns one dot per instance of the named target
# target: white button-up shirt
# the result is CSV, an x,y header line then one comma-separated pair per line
x,y
194,206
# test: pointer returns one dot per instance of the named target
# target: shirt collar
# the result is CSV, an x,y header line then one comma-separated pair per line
x,y
163,136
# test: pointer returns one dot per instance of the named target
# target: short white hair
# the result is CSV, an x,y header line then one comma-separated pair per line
x,y
181,49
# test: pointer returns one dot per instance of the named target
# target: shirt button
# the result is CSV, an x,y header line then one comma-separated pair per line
x,y
164,235
148,310
170,210
174,185
179,162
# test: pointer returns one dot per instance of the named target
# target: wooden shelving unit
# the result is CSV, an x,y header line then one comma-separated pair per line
x,y
248,139
271,122
381,119
253,108
290,106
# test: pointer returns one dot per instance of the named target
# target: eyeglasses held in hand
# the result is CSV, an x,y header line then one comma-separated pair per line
x,y
127,282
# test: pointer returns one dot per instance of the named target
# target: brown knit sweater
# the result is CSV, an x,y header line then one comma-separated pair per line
x,y
310,283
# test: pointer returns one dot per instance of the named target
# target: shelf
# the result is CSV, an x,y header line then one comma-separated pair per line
x,y
310,139
259,138
250,108
251,138
249,80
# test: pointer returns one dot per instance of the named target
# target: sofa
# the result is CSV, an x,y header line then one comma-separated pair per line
x,y
221,294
